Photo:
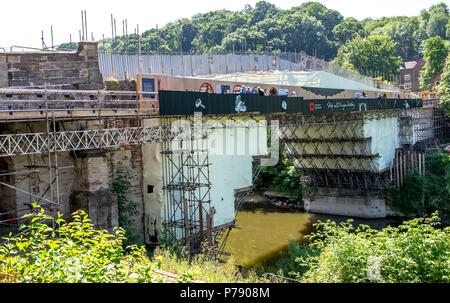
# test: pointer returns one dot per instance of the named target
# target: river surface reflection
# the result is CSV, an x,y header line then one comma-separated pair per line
x,y
263,232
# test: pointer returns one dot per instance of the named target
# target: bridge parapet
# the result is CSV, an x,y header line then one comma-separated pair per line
x,y
38,103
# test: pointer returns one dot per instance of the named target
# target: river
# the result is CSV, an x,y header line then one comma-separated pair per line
x,y
263,231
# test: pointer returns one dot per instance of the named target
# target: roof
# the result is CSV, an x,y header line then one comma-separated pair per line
x,y
413,64
319,79
408,65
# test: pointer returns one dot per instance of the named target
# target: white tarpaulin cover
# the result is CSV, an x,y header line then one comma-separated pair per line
x,y
306,79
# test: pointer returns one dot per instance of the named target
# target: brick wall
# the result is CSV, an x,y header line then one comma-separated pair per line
x,y
67,70
414,74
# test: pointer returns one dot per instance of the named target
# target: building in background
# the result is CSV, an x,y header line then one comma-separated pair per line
x,y
409,75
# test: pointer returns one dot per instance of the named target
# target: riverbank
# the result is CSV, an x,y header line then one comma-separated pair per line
x,y
276,199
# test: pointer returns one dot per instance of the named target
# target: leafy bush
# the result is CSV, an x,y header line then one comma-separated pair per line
x,y
72,252
283,177
424,195
409,198
287,265
77,253
415,251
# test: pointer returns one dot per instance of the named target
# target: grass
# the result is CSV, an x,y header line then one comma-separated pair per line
x,y
203,268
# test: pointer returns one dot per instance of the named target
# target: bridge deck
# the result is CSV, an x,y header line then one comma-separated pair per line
x,y
23,104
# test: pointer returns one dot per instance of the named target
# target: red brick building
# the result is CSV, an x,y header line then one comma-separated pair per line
x,y
409,75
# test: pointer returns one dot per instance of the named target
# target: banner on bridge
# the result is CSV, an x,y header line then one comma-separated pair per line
x,y
172,103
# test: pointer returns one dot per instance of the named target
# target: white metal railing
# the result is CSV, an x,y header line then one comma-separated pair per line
x,y
37,143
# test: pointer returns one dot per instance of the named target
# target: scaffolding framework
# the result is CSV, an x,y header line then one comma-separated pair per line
x,y
332,150
187,203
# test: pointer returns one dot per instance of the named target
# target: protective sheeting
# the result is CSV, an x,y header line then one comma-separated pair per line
x,y
385,139
304,79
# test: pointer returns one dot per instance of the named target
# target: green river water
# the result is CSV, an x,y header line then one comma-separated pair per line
x,y
263,232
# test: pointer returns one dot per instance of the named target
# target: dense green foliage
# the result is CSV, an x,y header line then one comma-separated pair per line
x,y
310,27
444,86
288,265
283,177
416,251
435,53
75,252
372,55
127,208
426,194
72,252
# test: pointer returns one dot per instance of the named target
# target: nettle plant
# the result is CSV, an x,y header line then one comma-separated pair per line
x,y
72,252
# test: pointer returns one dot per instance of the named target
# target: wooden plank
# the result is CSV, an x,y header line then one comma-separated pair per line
x,y
420,164
423,159
397,175
390,171
186,225
200,209
411,168
401,169
209,229
405,165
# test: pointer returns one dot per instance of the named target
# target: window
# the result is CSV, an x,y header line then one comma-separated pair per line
x,y
408,85
407,77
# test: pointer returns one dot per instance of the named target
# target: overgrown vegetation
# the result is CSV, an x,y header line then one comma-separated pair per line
x,y
283,177
203,267
444,87
288,265
425,194
414,252
435,52
127,208
74,252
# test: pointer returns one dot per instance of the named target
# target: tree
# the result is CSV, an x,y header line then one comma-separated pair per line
x,y
310,27
435,51
188,33
328,17
303,32
369,55
434,21
444,86
262,11
347,30
403,33
437,25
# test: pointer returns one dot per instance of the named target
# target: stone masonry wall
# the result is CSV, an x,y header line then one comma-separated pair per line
x,y
87,185
67,70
